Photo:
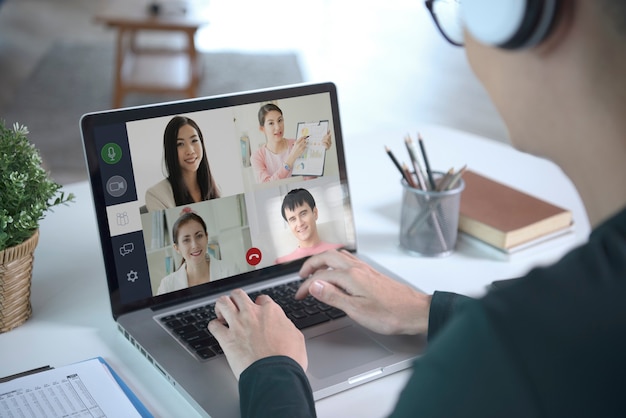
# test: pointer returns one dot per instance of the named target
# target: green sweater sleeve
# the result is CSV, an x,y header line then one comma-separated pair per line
x,y
443,306
466,372
275,387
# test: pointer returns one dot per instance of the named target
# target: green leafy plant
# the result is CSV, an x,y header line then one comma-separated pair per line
x,y
26,190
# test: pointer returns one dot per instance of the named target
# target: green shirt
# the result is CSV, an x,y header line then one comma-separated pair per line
x,y
552,344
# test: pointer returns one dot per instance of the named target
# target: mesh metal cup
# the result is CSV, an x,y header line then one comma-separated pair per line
x,y
429,219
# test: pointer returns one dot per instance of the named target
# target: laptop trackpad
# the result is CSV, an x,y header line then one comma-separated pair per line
x,y
341,350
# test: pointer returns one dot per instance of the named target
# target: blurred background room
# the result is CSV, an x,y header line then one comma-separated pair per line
x,y
392,68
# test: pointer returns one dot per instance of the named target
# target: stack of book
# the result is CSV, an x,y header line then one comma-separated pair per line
x,y
506,218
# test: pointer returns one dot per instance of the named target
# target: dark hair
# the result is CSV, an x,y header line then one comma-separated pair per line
x,y
615,12
183,219
265,109
208,188
297,197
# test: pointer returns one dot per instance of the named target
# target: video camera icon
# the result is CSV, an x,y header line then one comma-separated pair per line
x,y
116,186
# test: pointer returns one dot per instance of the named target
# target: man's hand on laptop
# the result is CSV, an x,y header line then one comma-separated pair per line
x,y
249,331
374,300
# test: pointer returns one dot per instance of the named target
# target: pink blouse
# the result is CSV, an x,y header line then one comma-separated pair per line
x,y
268,166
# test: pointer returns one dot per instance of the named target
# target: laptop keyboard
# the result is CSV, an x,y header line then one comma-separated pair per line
x,y
191,326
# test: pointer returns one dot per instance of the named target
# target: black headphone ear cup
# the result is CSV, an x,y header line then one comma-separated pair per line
x,y
509,24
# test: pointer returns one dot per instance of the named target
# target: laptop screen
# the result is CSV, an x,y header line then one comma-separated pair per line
x,y
209,194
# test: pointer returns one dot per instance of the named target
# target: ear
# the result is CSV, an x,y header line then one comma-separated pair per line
x,y
315,213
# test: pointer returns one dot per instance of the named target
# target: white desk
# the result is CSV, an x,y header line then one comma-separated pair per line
x,y
71,316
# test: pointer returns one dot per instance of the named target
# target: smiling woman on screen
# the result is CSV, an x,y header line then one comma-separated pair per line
x,y
191,240
188,178
275,159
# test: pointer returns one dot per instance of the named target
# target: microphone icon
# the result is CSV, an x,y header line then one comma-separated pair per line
x,y
111,153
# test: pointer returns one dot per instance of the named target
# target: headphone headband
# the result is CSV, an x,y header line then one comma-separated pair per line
x,y
509,24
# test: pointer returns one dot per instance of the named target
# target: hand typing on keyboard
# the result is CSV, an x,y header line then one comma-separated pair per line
x,y
338,283
374,300
190,326
251,330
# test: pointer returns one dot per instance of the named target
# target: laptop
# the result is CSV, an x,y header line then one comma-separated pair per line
x,y
245,236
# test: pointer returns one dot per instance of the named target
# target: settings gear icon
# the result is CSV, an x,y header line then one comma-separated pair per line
x,y
132,276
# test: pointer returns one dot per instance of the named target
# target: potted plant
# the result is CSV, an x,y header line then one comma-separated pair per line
x,y
26,194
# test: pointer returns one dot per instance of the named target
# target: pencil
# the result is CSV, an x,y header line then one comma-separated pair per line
x,y
445,180
408,176
456,177
397,164
416,165
431,180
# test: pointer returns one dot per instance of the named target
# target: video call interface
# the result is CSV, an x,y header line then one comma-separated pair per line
x,y
161,247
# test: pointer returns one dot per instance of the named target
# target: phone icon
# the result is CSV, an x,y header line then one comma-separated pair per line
x,y
254,256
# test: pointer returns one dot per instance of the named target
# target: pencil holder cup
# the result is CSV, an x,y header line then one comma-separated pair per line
x,y
429,219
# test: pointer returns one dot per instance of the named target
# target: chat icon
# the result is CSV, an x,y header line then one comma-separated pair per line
x,y
127,248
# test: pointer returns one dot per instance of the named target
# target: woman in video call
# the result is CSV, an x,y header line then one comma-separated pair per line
x,y
191,240
189,177
275,159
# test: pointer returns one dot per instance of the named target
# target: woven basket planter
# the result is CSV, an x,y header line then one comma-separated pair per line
x,y
16,267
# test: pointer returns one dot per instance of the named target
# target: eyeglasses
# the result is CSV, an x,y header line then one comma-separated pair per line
x,y
447,17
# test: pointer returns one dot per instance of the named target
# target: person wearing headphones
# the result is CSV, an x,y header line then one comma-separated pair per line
x,y
549,344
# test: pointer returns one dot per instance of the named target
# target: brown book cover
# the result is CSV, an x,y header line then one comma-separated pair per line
x,y
506,217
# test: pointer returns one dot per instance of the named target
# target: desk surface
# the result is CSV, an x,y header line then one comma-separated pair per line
x,y
71,314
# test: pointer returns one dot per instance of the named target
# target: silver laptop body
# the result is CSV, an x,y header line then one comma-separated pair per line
x,y
124,154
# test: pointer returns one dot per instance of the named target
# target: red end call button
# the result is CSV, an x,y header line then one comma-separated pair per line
x,y
253,256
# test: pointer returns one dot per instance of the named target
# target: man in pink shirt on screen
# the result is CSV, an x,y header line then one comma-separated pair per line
x,y
300,212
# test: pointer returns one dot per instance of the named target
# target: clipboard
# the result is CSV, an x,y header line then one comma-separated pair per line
x,y
311,162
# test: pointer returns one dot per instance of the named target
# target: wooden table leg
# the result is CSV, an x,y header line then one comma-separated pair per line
x,y
194,71
118,88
